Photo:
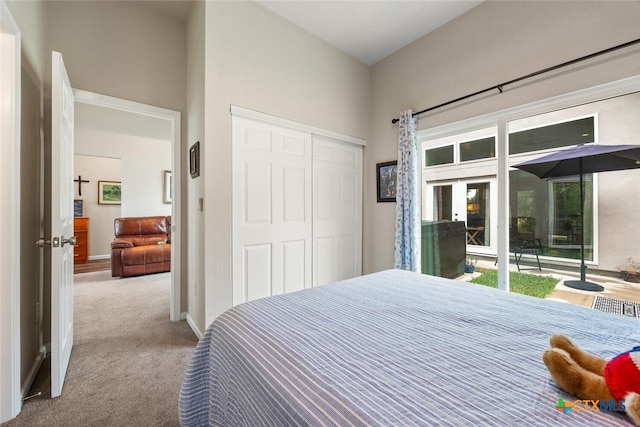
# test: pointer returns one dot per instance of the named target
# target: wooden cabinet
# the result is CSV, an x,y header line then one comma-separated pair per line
x,y
81,249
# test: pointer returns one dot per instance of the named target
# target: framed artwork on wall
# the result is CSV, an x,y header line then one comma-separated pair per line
x,y
386,177
194,160
109,193
167,188
78,208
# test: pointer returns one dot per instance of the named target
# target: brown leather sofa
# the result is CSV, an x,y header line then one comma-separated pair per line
x,y
142,245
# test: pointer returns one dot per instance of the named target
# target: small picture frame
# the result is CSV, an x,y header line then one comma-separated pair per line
x,y
386,178
78,208
167,188
109,193
194,160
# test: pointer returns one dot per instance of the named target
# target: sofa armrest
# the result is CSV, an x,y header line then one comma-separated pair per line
x,y
121,243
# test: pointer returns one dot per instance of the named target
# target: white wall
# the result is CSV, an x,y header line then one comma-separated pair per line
x,y
144,161
94,169
195,131
492,43
257,60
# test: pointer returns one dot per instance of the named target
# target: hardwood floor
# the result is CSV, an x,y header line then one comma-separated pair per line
x,y
93,265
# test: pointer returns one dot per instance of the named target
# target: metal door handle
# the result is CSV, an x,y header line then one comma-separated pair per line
x,y
71,240
42,242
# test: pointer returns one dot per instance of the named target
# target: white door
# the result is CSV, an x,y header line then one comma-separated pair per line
x,y
61,223
471,201
337,210
271,210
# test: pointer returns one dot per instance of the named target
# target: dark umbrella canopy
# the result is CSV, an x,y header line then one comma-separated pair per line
x,y
595,158
579,160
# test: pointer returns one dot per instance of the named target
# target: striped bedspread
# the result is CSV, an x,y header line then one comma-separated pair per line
x,y
393,349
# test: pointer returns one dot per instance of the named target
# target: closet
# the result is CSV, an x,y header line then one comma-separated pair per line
x,y
297,206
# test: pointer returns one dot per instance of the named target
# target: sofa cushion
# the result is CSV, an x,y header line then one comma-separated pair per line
x,y
149,239
141,226
141,255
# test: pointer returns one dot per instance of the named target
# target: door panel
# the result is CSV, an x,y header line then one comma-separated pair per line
x,y
61,223
271,210
337,211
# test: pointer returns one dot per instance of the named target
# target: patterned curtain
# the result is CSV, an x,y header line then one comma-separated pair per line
x,y
407,256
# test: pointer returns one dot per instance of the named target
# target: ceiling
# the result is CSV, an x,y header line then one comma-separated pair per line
x,y
368,30
106,119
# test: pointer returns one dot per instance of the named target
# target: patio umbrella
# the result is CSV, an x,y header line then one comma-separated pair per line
x,y
579,160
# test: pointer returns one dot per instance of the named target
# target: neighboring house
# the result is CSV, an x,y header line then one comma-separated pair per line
x,y
238,53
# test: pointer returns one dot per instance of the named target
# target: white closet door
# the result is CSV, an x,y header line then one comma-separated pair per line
x,y
271,210
337,210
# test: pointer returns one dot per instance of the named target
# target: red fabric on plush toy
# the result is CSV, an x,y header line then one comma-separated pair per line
x,y
622,374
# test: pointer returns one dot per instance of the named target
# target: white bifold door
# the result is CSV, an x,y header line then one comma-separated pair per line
x,y
297,209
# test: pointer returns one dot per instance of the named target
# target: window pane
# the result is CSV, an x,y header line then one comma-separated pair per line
x,y
439,156
559,135
550,211
479,149
566,226
478,214
442,202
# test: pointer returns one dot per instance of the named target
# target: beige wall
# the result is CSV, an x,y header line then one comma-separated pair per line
x,y
195,131
142,58
257,60
494,42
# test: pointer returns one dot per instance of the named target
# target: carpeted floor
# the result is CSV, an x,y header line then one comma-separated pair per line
x,y
128,359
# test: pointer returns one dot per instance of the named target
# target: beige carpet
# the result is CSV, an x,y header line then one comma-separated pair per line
x,y
128,359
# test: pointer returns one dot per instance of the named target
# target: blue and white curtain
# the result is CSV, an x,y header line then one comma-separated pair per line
x,y
407,256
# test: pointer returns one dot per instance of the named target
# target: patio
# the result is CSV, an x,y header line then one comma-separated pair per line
x,y
613,287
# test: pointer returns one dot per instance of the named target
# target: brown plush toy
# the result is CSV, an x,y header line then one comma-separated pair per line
x,y
593,378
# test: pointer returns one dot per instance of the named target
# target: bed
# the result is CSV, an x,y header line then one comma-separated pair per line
x,y
393,348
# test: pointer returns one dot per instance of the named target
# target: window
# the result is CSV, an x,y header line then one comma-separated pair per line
x,y
479,149
565,134
439,156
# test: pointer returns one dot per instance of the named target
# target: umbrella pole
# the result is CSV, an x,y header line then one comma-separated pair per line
x,y
583,267
582,284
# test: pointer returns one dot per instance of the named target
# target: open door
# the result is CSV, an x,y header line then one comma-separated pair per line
x,y
62,240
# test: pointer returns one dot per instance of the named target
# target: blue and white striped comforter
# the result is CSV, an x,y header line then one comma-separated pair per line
x,y
392,349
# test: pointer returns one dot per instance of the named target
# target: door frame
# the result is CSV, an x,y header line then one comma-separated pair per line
x,y
10,42
459,186
120,104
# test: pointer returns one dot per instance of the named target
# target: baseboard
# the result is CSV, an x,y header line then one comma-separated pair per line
x,y
99,257
193,326
31,376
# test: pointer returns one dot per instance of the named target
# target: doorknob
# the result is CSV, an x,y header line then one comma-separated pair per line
x,y
71,240
56,241
42,242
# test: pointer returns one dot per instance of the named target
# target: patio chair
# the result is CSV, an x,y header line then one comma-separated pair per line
x,y
530,247
519,247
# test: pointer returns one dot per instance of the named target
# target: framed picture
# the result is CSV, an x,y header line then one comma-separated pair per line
x,y
167,188
386,177
194,160
78,208
109,193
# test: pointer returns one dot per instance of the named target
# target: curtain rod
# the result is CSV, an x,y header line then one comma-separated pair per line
x,y
500,86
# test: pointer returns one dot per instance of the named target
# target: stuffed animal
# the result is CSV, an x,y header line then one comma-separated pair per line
x,y
593,378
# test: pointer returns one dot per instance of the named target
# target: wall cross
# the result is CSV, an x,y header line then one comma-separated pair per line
x,y
80,181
